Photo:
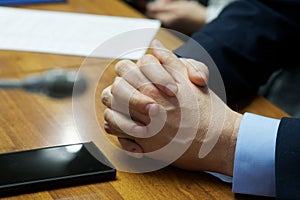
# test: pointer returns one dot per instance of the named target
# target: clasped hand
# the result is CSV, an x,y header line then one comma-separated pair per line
x,y
162,101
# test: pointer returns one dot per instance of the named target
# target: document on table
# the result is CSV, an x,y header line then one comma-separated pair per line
x,y
75,34
22,2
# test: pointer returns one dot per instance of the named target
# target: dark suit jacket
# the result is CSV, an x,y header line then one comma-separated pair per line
x,y
287,160
248,42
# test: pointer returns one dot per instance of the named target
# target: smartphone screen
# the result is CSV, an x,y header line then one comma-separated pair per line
x,y
53,166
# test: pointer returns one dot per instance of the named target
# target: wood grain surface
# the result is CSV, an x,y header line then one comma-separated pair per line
x,y
30,121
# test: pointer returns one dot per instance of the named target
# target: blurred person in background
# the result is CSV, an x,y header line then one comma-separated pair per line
x,y
181,15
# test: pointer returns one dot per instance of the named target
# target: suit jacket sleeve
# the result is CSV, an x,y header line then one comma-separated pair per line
x,y
287,160
248,41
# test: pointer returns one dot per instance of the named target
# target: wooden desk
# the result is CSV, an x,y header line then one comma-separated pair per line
x,y
30,121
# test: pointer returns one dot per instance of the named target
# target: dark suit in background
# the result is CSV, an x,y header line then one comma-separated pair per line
x,y
287,168
248,42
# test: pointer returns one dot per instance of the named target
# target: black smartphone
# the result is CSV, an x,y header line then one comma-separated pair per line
x,y
53,167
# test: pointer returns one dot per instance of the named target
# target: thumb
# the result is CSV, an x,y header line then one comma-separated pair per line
x,y
197,71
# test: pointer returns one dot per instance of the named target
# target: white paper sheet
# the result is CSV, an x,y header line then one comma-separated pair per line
x,y
74,33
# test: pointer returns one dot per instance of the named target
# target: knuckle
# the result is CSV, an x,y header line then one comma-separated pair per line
x,y
122,67
150,91
148,59
137,101
168,59
134,98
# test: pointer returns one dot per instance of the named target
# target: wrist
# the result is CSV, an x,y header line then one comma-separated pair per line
x,y
228,144
222,156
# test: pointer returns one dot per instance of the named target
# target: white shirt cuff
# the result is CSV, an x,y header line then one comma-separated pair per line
x,y
214,8
254,163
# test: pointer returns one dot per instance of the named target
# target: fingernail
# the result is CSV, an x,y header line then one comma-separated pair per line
x,y
140,130
135,154
157,44
133,151
153,109
173,88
